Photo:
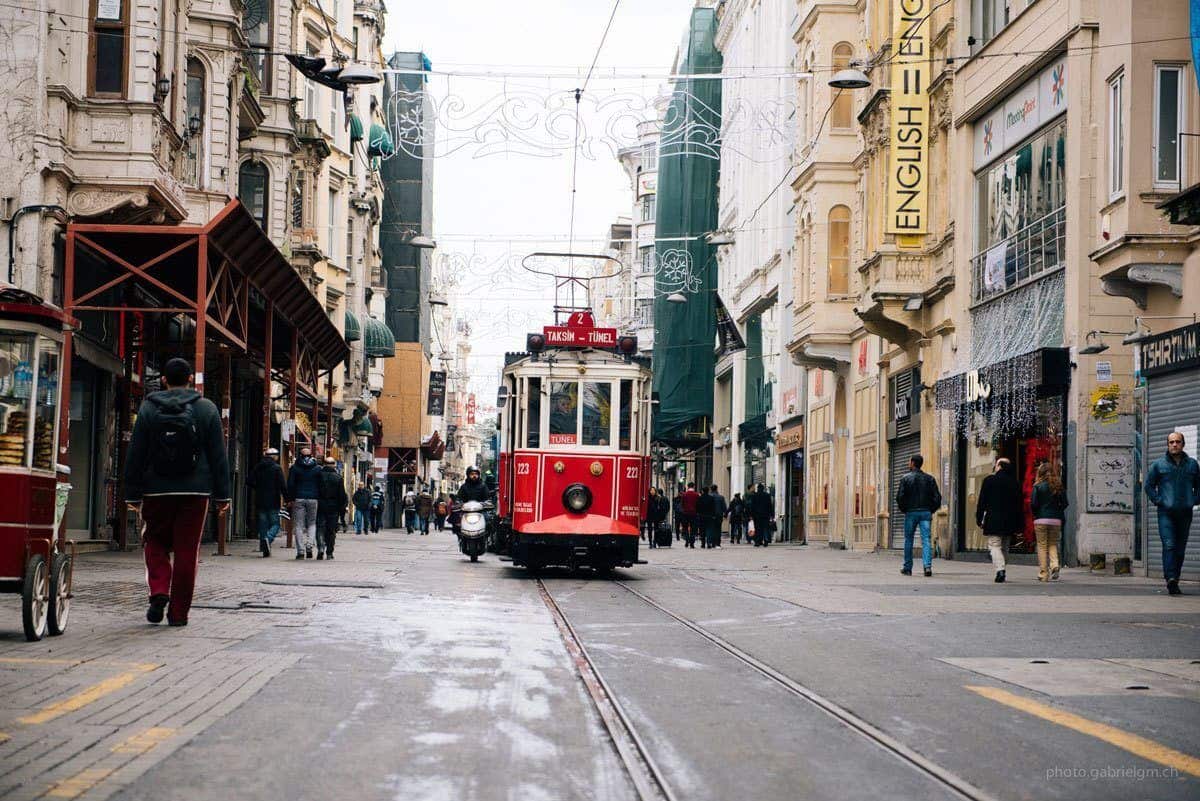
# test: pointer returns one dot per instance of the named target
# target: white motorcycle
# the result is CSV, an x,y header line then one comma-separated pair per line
x,y
472,528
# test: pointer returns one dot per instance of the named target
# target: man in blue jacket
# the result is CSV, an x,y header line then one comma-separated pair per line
x,y
175,464
304,488
1173,485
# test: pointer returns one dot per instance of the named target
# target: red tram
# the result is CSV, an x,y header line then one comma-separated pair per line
x,y
574,448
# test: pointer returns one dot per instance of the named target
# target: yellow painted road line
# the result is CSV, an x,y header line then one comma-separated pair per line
x,y
37,660
144,741
1134,744
85,697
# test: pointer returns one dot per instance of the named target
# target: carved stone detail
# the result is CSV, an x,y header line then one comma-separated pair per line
x,y
94,202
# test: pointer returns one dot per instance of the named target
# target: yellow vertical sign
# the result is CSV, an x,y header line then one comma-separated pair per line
x,y
908,176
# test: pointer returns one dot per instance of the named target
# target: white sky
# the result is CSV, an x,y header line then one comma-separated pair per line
x,y
518,195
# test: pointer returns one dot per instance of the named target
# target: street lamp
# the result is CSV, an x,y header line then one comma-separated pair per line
x,y
676,297
422,242
719,237
850,79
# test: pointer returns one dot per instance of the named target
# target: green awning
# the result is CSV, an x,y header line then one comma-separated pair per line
x,y
378,341
353,331
356,129
380,143
363,426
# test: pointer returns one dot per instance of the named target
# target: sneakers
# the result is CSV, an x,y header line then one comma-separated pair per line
x,y
264,547
171,622
308,553
1173,587
329,557
999,576
928,572
320,555
158,605
904,571
1054,574
299,555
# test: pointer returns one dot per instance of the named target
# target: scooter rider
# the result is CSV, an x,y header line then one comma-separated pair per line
x,y
473,489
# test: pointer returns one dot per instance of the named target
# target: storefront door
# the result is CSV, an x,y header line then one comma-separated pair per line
x,y
795,496
1171,406
902,450
86,388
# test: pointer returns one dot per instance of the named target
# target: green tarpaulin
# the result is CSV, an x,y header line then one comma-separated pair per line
x,y
685,333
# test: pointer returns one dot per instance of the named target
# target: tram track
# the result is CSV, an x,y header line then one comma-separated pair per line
x,y
649,779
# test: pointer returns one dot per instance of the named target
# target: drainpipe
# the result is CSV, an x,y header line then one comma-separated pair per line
x,y
12,233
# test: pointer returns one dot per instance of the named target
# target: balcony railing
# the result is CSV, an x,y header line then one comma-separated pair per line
x,y
1028,254
895,272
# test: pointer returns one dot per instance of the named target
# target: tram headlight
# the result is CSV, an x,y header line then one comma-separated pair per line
x,y
577,498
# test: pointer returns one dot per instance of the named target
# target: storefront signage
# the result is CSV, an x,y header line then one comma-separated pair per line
x,y
908,177
647,183
790,439
977,388
436,404
1024,111
903,407
1104,371
471,409
108,9
1171,351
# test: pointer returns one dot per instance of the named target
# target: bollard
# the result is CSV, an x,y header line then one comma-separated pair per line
x,y
1122,566
1096,561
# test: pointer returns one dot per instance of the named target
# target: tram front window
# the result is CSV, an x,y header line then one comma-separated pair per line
x,y
624,440
533,435
597,413
564,413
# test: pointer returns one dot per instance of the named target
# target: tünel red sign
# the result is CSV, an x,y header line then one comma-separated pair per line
x,y
569,336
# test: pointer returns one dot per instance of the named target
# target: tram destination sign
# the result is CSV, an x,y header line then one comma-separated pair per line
x,y
564,336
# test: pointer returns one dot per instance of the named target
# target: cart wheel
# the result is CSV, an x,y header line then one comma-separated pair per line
x,y
35,598
60,594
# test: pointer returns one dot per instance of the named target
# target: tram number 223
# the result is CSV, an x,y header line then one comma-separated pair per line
x,y
631,472
523,468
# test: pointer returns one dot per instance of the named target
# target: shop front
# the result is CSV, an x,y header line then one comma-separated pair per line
x,y
789,444
758,454
1015,409
904,441
1170,365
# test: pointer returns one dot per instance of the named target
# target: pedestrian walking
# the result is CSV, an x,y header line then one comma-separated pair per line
x,y
677,514
687,505
409,508
441,510
705,511
720,509
737,518
304,488
377,497
176,462
1000,513
362,510
270,488
424,511
331,507
1048,503
657,509
762,512
1173,486
918,497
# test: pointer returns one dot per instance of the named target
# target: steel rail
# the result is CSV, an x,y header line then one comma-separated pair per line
x,y
648,780
950,780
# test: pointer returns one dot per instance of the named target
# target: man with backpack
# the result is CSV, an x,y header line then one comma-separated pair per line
x,y
176,462
304,488
376,508
409,505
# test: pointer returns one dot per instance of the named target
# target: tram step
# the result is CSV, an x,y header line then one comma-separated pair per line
x,y
505,558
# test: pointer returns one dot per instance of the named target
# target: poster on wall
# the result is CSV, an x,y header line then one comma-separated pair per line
x,y
436,405
908,174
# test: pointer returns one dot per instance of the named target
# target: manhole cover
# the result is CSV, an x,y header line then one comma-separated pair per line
x,y
360,585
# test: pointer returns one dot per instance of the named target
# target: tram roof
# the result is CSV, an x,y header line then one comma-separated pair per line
x,y
589,357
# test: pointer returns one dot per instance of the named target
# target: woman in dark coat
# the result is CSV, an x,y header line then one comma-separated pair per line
x,y
737,518
1000,512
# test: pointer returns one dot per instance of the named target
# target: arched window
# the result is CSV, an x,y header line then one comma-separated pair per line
x,y
195,120
841,116
253,181
839,250
256,24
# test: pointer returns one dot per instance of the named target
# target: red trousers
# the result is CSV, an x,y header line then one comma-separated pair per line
x,y
173,524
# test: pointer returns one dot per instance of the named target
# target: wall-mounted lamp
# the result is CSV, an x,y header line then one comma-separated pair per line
x,y
162,88
914,303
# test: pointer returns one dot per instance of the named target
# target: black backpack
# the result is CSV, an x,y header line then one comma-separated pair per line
x,y
175,441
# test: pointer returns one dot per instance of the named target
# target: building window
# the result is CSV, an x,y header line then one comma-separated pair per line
x,y
646,257
310,89
1021,203
108,56
256,24
349,241
1168,112
989,17
648,208
1116,137
297,200
253,181
841,116
839,250
331,234
650,157
197,112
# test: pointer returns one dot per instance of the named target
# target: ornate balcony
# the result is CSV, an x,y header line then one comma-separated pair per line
x,y
899,285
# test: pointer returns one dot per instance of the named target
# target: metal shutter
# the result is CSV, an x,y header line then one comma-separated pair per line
x,y
902,450
1170,403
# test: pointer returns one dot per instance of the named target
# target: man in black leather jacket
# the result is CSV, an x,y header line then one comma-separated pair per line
x,y
473,489
918,497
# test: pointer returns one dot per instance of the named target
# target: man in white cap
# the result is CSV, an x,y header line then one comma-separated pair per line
x,y
270,487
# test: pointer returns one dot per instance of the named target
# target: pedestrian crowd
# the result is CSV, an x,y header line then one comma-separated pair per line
x,y
699,516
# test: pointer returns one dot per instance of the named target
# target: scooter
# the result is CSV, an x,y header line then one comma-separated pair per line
x,y
472,528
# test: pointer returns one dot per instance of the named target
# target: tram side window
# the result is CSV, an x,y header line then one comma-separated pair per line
x,y
597,413
624,436
564,413
533,431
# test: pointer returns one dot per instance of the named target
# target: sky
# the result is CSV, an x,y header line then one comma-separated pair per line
x,y
491,183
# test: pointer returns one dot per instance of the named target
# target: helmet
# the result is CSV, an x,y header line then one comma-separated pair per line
x,y
472,469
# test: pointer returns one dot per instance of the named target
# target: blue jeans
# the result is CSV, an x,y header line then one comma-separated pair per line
x,y
911,521
1173,528
360,521
268,525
